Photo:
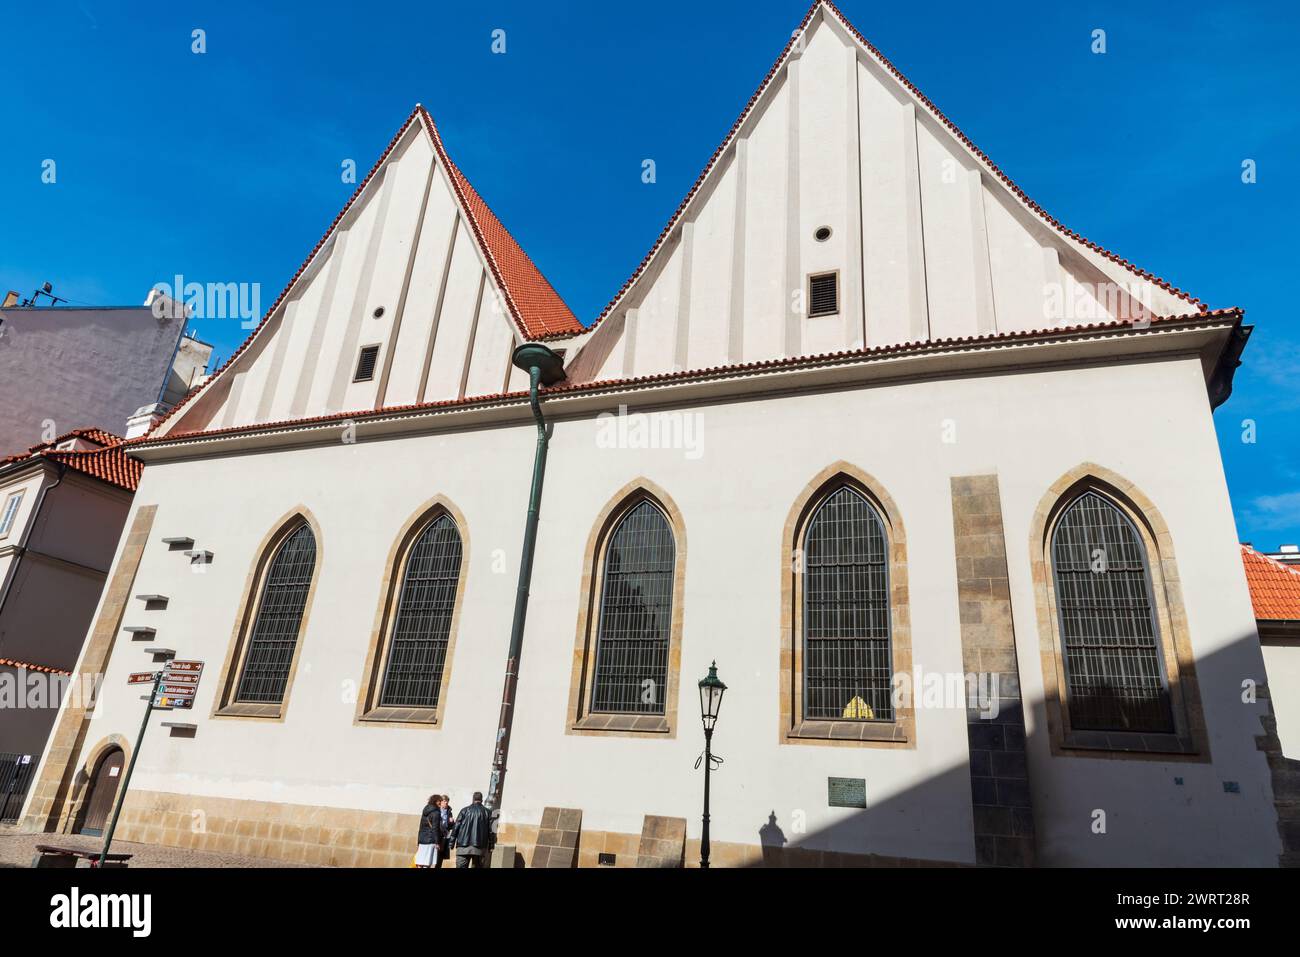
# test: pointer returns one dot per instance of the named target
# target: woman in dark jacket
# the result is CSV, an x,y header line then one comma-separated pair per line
x,y
426,855
445,819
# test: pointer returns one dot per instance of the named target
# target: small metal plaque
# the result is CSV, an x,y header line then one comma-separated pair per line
x,y
846,792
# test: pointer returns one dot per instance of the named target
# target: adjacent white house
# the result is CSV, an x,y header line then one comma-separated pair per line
x,y
932,478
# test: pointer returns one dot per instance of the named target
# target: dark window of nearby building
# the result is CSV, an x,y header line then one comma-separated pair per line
x,y
10,510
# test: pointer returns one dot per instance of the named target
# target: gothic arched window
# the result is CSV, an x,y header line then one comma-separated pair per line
x,y
636,609
847,667
1115,677
417,648
274,636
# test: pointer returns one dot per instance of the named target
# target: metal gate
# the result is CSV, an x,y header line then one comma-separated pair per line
x,y
16,772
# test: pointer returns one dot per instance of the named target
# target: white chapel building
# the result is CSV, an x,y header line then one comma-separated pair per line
x,y
932,478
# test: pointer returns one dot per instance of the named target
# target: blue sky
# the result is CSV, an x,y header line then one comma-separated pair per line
x,y
224,167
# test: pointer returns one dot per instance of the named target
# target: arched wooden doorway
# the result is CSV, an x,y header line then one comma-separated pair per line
x,y
103,789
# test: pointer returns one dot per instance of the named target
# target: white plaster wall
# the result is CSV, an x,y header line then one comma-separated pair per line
x,y
767,304
709,299
1283,663
1168,449
494,342
419,319
734,498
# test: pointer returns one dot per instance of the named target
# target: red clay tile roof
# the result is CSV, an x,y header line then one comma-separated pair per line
x,y
13,663
991,340
938,115
110,464
1274,587
98,436
535,306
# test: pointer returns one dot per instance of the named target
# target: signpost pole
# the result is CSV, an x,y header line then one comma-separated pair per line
x,y
126,781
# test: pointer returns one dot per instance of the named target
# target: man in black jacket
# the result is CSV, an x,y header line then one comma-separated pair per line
x,y
473,833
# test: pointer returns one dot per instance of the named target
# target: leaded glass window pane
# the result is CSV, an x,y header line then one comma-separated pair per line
x,y
636,608
1114,674
279,616
846,669
422,626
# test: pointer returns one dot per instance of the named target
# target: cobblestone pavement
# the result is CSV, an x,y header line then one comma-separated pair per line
x,y
17,850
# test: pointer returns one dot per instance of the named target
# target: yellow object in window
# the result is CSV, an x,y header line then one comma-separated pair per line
x,y
857,708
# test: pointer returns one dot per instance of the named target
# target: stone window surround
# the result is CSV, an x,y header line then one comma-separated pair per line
x,y
368,711
231,669
1190,741
901,731
580,719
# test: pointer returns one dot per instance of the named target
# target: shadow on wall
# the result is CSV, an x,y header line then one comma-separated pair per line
x,y
1126,809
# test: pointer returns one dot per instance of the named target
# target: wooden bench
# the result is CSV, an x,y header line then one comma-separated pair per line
x,y
50,855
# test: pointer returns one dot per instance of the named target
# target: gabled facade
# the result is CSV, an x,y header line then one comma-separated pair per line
x,y
415,294
860,428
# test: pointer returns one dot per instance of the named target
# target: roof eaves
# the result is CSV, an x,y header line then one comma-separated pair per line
x,y
28,666
761,365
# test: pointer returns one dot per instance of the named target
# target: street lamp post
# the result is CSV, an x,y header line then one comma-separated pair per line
x,y
711,689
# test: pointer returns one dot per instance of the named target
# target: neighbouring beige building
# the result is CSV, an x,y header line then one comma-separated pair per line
x,y
932,478
62,507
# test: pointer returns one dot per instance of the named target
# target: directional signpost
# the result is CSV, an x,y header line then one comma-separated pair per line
x,y
180,683
173,687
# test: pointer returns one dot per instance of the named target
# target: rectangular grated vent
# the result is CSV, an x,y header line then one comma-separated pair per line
x,y
366,364
823,294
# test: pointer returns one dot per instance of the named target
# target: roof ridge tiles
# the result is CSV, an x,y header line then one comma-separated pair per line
x,y
756,365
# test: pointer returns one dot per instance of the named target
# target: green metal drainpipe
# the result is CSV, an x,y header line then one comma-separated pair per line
x,y
544,367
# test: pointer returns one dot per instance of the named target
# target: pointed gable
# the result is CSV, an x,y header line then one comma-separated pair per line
x,y
417,292
840,171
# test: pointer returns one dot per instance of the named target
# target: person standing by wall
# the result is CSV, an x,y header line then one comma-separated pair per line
x,y
473,833
426,853
446,820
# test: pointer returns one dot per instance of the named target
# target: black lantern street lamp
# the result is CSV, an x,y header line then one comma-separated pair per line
x,y
711,690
